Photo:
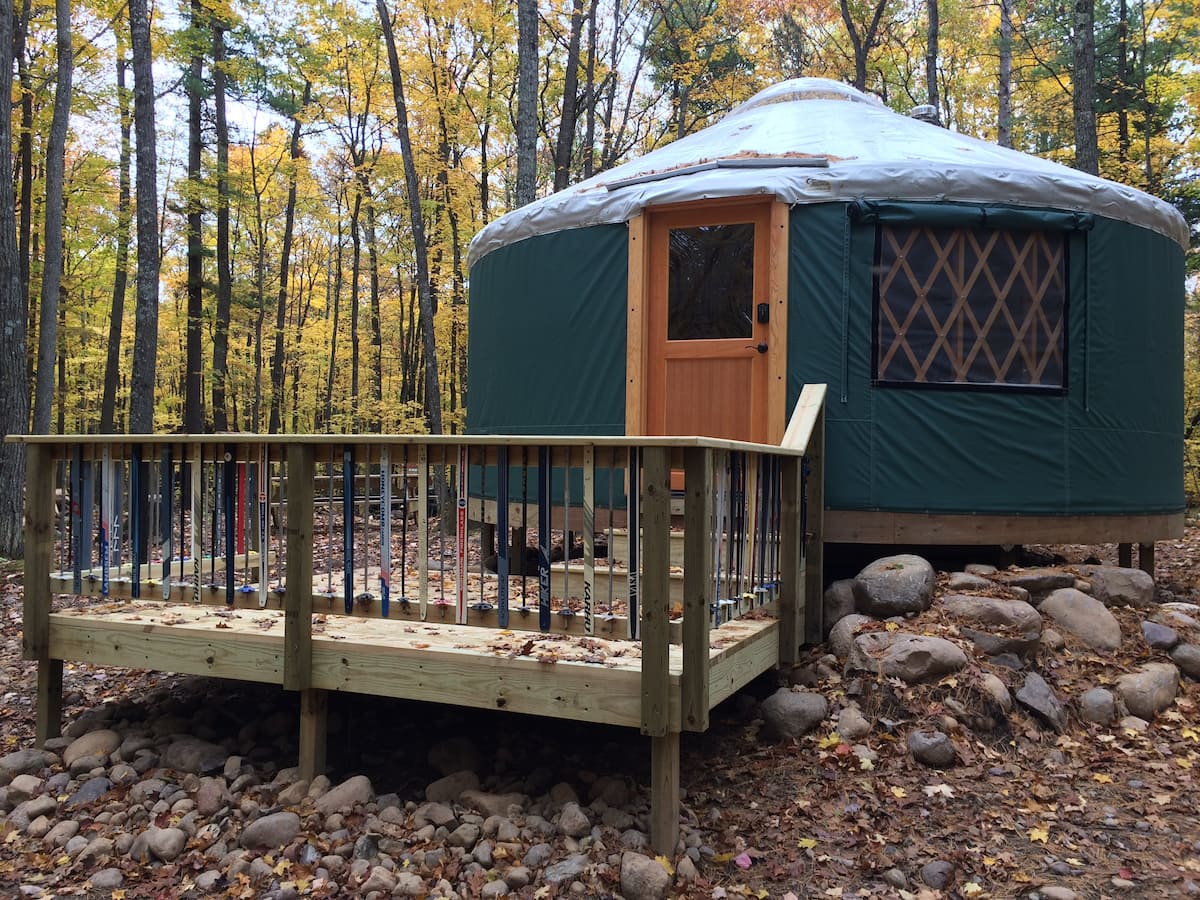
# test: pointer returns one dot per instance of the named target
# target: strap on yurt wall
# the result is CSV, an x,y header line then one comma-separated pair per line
x,y
968,215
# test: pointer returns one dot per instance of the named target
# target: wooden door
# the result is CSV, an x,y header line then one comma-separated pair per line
x,y
711,348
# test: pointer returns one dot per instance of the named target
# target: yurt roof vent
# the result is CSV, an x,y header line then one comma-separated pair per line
x,y
926,112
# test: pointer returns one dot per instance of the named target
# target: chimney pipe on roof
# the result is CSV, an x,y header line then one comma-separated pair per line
x,y
926,113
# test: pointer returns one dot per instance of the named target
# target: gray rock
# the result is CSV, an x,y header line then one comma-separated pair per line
x,y
23,787
191,754
1037,696
29,810
107,879
1134,723
968,581
207,882
897,586
465,836
983,569
492,804
840,600
1040,583
123,775
450,787
1116,586
294,794
566,869
61,833
346,795
931,748
1083,616
852,724
25,762
211,796
89,792
1159,637
573,822
919,658
517,877
455,754
1187,657
789,714
937,874
1098,706
497,888
615,790
410,884
1149,690
94,743
435,814
841,636
380,879
165,843
997,690
1057,892
896,878
1052,640
271,832
995,612
537,856
146,788
868,648
643,878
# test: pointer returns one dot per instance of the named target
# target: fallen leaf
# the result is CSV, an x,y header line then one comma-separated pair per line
x,y
898,792
1039,833
743,861
806,843
1101,778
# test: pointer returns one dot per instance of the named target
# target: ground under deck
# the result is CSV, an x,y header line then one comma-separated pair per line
x,y
590,678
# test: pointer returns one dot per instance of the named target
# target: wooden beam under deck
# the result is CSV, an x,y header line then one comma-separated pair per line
x,y
878,527
548,675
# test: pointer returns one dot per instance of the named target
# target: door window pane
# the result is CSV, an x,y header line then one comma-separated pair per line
x,y
710,282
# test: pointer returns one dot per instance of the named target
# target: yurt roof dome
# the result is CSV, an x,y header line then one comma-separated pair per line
x,y
813,140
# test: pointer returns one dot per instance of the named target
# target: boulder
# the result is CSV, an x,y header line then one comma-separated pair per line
x,y
94,743
1118,586
492,804
966,581
996,625
451,787
931,748
271,832
1158,636
789,714
916,658
193,755
1149,690
841,635
1187,657
1040,583
643,878
1083,616
867,649
852,724
840,600
344,797
897,586
1098,706
1037,696
997,690
24,762
565,869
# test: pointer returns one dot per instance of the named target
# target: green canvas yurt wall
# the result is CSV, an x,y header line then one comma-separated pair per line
x,y
1109,444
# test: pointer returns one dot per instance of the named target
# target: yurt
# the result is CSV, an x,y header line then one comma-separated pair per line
x,y
1001,336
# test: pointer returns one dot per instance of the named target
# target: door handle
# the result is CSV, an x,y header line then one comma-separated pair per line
x,y
760,347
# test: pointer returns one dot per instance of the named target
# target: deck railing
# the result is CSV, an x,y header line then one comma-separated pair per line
x,y
662,540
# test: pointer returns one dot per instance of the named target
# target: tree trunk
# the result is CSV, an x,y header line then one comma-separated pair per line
x,y
433,394
285,260
355,271
862,42
375,417
1083,93
527,89
931,58
1004,88
1123,143
589,128
25,233
145,341
335,302
52,261
14,388
220,349
112,362
193,404
570,102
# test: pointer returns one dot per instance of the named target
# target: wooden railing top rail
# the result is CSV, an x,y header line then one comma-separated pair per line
x,y
804,418
428,440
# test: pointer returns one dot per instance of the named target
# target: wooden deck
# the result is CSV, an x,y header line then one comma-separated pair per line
x,y
572,676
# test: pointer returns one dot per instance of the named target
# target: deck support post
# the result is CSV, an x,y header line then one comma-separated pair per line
x,y
39,556
517,539
655,634
1125,555
664,793
793,576
1146,558
698,587
814,541
314,720
297,620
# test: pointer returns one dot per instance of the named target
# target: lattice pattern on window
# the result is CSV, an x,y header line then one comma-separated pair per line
x,y
973,306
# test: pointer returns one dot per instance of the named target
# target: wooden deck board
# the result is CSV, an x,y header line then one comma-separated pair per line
x,y
592,679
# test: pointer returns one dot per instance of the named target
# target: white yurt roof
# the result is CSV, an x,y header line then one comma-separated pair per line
x,y
812,140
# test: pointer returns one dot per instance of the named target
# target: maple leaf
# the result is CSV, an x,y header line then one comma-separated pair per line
x,y
831,741
666,864
1039,833
938,790
1101,778
971,887
898,792
806,843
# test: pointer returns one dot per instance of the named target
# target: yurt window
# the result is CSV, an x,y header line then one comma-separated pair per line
x,y
970,306
711,282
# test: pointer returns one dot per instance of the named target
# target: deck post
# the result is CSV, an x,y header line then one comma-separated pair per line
x,y
1125,555
314,720
814,582
39,555
793,576
655,635
1146,558
697,584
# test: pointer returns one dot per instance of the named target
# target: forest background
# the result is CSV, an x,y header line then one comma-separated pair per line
x,y
238,215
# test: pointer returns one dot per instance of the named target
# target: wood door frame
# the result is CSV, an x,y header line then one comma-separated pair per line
x,y
638,310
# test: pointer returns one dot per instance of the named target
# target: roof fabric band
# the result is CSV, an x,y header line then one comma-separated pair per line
x,y
968,215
